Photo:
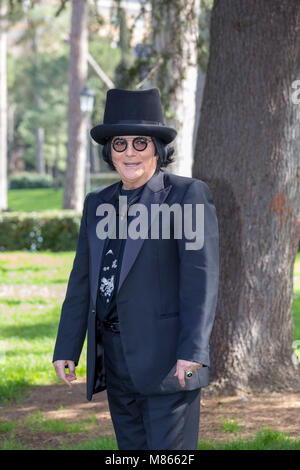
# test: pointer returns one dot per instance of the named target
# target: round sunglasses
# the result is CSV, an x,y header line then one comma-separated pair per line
x,y
139,143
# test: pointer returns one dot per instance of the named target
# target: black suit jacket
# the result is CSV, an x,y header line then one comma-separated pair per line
x,y
166,296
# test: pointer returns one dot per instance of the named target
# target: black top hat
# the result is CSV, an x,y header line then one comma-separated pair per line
x,y
130,112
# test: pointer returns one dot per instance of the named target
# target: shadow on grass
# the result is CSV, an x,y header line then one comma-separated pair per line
x,y
36,330
24,268
34,301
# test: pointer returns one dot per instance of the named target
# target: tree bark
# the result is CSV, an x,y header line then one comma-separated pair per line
x,y
55,168
174,42
76,158
3,107
95,160
198,102
246,151
38,131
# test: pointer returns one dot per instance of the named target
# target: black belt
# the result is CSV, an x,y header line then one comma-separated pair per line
x,y
113,326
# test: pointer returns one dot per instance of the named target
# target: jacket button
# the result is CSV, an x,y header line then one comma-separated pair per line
x,y
93,311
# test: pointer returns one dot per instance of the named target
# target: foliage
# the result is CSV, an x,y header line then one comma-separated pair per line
x,y
122,78
36,231
203,39
28,179
41,73
107,55
45,72
230,425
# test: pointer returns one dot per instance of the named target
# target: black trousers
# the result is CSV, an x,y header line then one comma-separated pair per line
x,y
151,422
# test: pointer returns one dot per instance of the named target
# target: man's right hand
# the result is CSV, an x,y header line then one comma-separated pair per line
x,y
61,371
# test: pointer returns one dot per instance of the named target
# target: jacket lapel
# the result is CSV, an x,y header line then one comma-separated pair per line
x,y
153,193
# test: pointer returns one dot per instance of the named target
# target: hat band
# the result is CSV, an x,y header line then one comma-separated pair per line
x,y
134,121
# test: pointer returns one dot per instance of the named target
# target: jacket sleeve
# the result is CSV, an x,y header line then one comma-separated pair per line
x,y
74,314
199,278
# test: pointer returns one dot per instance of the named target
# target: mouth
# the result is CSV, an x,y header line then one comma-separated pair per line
x,y
132,165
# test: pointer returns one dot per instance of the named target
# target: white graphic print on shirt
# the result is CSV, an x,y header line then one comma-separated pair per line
x,y
107,284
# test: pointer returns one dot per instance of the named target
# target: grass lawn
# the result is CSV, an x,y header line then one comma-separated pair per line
x,y
33,284
37,199
32,289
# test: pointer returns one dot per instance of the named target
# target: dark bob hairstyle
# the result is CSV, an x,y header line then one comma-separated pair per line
x,y
163,151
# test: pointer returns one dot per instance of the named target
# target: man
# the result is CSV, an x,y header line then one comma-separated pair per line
x,y
144,290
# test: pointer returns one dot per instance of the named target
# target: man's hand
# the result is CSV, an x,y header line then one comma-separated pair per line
x,y
61,372
181,368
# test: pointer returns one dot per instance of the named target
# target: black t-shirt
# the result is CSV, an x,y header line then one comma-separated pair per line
x,y
111,263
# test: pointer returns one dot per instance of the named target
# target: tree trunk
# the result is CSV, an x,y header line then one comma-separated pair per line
x,y
39,149
174,42
3,107
95,160
77,141
38,131
199,96
11,108
55,168
247,153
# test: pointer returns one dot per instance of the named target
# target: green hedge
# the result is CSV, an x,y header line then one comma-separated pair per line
x,y
55,230
28,179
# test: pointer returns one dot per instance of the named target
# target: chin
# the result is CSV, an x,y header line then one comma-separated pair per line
x,y
131,174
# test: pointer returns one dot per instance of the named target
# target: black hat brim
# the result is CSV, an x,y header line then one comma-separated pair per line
x,y
100,133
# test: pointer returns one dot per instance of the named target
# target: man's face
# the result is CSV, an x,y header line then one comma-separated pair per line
x,y
135,167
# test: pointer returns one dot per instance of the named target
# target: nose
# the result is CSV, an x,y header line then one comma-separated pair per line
x,y
130,150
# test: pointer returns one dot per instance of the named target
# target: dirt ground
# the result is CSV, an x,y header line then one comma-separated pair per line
x,y
277,411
